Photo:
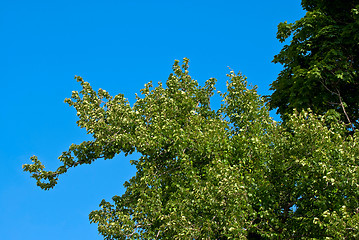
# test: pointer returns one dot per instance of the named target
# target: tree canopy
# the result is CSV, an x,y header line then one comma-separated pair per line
x,y
321,62
233,172
226,173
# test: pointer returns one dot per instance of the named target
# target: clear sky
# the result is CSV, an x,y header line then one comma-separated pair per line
x,y
119,46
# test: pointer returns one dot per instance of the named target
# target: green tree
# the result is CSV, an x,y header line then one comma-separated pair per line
x,y
321,62
227,173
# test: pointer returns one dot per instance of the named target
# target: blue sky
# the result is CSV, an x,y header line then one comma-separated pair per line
x,y
118,46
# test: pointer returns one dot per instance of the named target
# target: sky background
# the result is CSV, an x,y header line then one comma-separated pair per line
x,y
119,46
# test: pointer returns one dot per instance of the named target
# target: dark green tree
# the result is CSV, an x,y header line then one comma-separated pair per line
x,y
227,173
321,62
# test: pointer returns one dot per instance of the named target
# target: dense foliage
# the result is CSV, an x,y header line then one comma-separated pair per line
x,y
227,173
321,62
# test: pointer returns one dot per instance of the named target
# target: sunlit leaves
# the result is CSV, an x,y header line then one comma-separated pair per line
x,y
227,173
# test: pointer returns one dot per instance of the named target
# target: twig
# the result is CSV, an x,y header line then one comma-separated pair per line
x,y
341,103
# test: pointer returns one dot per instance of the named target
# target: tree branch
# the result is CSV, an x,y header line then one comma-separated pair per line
x,y
342,104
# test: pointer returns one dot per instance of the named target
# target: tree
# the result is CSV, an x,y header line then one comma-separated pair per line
x,y
227,173
321,62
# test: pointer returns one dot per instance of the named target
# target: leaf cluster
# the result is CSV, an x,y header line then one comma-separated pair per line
x,y
320,62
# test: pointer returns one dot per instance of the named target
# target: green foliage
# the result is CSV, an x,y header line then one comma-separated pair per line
x,y
229,173
321,62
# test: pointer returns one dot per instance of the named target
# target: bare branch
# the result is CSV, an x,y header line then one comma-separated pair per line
x,y
342,105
